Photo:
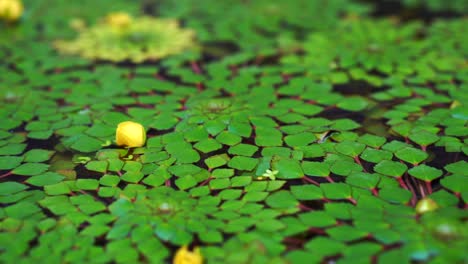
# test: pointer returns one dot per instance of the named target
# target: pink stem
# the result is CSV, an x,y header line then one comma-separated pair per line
x,y
304,208
358,161
421,189
402,183
409,188
195,68
317,230
307,179
205,181
6,174
159,77
429,187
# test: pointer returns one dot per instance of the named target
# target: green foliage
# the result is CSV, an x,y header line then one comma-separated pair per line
x,y
142,39
295,132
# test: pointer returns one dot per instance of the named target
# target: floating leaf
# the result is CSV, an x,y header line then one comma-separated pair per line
x,y
95,165
391,168
353,104
336,190
319,169
30,169
425,173
301,139
207,145
307,192
349,148
86,144
317,219
455,183
243,150
376,155
7,188
57,189
10,162
372,140
268,137
243,163
216,161
288,169
87,184
460,168
38,155
423,138
395,195
48,178
411,155
363,180
282,200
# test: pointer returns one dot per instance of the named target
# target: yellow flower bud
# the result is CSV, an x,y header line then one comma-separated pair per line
x,y
11,10
77,24
426,205
183,256
118,19
130,134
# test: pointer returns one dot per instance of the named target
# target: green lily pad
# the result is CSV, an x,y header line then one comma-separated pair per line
x,y
30,169
288,169
318,169
411,155
391,168
10,162
7,188
281,200
243,163
425,173
349,148
423,138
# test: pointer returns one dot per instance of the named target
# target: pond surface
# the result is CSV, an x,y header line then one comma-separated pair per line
x,y
278,131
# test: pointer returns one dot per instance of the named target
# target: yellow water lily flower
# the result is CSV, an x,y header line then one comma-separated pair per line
x,y
77,24
426,205
118,19
130,134
11,10
184,256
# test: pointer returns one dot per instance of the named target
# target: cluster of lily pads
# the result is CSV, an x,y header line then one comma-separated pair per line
x,y
122,37
331,136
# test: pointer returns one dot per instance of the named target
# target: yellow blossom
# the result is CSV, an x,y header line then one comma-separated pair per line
x,y
11,10
455,104
426,205
183,256
77,24
130,134
118,19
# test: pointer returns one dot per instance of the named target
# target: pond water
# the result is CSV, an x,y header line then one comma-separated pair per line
x,y
299,131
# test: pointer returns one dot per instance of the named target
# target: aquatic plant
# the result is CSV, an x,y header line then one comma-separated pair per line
x,y
343,141
11,10
120,37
